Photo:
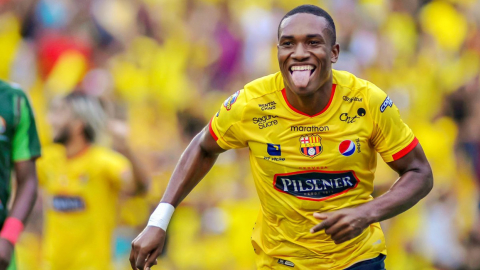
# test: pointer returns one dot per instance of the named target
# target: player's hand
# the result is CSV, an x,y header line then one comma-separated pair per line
x,y
342,225
146,247
6,251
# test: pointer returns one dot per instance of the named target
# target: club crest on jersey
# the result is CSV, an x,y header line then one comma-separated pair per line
x,y
230,100
347,148
311,145
3,125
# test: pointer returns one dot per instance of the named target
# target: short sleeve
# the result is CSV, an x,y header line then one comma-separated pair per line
x,y
25,143
391,137
118,169
225,126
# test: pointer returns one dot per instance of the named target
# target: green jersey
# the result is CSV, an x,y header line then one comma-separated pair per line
x,y
18,137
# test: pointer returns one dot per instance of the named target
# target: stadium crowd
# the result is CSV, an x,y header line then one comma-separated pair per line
x,y
164,67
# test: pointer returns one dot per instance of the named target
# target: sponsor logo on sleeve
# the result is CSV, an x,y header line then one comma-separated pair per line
x,y
68,204
285,262
311,145
268,106
265,121
386,103
315,185
347,148
230,101
352,99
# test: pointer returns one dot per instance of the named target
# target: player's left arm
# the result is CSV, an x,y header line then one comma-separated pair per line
x,y
415,182
25,150
397,145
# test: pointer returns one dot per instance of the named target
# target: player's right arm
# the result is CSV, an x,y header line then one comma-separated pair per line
x,y
224,132
194,164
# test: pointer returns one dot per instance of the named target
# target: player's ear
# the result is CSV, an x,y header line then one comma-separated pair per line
x,y
335,53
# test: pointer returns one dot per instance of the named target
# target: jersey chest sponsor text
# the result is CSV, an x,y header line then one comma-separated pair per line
x,y
315,185
68,204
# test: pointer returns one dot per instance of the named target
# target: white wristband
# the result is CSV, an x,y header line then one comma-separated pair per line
x,y
161,216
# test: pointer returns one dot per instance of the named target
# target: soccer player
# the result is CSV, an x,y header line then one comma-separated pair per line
x,y
313,135
82,182
20,148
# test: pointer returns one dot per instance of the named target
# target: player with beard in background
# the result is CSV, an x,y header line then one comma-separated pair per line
x,y
81,184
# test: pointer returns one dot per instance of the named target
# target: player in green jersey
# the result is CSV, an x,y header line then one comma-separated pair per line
x,y
19,148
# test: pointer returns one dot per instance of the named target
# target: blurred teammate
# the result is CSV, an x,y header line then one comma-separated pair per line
x,y
313,134
82,182
19,148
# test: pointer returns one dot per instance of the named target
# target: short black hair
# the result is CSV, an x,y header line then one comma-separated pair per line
x,y
314,10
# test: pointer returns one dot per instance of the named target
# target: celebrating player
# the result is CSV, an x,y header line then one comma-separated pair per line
x,y
20,148
82,183
313,134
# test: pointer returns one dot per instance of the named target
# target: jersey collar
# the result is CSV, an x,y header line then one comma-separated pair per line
x,y
284,94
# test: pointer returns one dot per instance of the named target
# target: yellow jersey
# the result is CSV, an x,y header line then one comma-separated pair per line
x,y
80,197
303,164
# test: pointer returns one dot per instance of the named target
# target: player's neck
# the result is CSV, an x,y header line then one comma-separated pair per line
x,y
312,104
76,146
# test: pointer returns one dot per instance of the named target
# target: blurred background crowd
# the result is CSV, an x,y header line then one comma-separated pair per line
x,y
167,65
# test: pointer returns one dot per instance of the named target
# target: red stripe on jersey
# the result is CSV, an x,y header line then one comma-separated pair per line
x,y
405,150
211,130
284,93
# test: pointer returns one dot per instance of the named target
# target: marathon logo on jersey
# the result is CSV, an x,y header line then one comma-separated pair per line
x,y
265,121
311,145
230,101
386,103
347,148
268,106
310,128
352,99
315,185
68,204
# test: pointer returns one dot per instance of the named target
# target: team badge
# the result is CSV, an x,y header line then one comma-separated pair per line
x,y
3,125
347,148
230,100
311,145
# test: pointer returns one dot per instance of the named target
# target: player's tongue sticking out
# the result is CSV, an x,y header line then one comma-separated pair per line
x,y
300,77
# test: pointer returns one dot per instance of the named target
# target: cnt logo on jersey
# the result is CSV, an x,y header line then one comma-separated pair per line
x,y
230,100
311,145
347,148
3,125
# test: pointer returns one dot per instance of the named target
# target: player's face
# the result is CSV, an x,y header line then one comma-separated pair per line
x,y
60,118
305,53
